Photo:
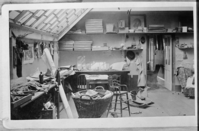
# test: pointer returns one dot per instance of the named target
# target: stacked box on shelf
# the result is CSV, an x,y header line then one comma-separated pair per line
x,y
82,45
94,26
157,28
66,45
96,48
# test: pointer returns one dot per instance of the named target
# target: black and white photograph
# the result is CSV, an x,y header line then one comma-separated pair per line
x,y
130,63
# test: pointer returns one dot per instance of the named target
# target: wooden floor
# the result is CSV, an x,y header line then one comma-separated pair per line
x,y
166,103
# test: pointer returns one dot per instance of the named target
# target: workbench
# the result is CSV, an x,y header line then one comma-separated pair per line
x,y
32,108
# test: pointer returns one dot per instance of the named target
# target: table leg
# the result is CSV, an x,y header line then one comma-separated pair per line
x,y
57,91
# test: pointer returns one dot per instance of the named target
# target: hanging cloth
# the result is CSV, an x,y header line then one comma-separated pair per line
x,y
141,75
20,46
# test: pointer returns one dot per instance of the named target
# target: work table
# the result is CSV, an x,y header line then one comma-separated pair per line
x,y
38,94
72,80
32,109
109,72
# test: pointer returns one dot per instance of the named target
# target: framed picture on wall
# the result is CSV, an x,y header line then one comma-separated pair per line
x,y
137,20
29,55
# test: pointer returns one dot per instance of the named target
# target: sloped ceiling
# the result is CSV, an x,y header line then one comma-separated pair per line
x,y
55,22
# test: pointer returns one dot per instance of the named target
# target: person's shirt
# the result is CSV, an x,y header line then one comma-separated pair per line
x,y
190,82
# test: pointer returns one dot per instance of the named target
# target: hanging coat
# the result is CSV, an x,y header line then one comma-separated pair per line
x,y
141,75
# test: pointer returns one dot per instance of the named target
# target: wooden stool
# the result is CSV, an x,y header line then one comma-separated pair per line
x,y
119,90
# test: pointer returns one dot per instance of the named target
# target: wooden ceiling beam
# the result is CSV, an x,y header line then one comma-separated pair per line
x,y
13,25
65,30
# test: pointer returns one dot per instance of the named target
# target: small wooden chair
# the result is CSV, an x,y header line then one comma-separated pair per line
x,y
119,91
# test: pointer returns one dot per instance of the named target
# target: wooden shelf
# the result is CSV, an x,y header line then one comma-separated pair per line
x,y
185,48
105,50
130,33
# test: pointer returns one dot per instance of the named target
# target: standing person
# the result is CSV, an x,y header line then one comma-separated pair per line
x,y
136,68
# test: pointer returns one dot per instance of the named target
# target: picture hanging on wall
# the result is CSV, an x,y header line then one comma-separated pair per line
x,y
29,55
137,21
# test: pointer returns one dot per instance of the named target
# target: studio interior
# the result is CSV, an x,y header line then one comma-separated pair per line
x,y
101,63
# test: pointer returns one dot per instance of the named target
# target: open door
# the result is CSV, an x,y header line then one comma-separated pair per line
x,y
167,40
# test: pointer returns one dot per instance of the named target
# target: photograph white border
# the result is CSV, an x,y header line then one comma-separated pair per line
x,y
132,122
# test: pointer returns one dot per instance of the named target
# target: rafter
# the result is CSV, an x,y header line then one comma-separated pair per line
x,y
13,25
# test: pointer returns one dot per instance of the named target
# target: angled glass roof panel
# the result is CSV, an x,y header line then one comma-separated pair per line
x,y
56,23
62,23
54,30
46,27
72,19
38,21
53,20
13,14
40,26
26,14
57,11
79,12
60,13
33,11
30,21
25,17
70,10
39,13
49,18
71,13
62,16
49,12
60,30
